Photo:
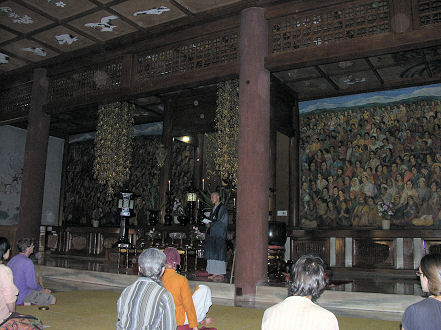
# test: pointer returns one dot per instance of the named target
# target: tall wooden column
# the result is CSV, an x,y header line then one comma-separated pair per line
x,y
34,167
167,142
294,185
254,139
272,163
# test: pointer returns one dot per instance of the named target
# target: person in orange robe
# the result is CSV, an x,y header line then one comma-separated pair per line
x,y
190,308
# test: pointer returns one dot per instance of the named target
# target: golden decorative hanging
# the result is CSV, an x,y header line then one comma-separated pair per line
x,y
114,144
225,142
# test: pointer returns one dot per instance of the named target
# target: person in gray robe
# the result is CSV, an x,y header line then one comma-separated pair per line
x,y
216,240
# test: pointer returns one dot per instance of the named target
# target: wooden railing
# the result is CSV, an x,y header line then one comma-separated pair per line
x,y
429,11
192,55
315,27
16,100
79,85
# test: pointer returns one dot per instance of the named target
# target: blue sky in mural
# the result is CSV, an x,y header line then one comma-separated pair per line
x,y
143,129
367,98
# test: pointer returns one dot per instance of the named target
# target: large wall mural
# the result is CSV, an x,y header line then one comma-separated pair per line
x,y
370,157
12,149
11,172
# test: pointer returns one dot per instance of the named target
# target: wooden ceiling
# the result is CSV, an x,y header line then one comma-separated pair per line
x,y
61,34
387,71
35,31
45,33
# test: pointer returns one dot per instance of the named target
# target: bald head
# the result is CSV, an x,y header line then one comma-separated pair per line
x,y
215,198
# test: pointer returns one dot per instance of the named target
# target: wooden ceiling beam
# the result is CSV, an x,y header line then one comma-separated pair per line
x,y
143,107
327,78
428,68
27,34
182,8
188,79
13,55
13,117
63,22
53,18
375,71
299,6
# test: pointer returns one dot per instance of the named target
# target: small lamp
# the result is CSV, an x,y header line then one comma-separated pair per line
x,y
192,197
126,204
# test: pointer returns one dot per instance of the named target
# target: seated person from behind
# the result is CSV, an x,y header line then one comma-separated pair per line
x,y
298,310
25,279
190,309
146,304
8,291
426,314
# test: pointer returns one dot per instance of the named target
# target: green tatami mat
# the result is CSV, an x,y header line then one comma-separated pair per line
x,y
97,310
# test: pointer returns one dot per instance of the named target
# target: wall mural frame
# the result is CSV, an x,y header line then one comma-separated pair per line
x,y
370,158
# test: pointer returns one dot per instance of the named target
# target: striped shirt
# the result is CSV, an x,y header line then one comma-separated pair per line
x,y
146,305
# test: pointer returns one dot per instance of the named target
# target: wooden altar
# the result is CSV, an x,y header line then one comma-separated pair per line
x,y
100,242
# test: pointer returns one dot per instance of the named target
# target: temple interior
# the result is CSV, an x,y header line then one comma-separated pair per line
x,y
318,122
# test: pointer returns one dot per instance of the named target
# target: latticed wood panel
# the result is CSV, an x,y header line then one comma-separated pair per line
x,y
16,99
319,248
95,80
429,11
190,56
369,253
326,25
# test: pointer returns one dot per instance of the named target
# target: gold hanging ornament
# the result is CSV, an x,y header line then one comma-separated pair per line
x,y
227,131
114,144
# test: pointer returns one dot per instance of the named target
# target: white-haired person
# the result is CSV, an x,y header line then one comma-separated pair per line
x,y
146,304
426,314
298,311
191,308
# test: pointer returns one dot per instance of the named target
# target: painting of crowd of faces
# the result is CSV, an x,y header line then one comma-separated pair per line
x,y
372,157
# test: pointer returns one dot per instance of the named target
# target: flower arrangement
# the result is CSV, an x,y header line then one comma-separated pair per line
x,y
152,198
386,210
178,208
199,235
153,234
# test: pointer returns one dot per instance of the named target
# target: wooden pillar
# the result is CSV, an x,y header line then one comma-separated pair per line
x,y
63,183
253,175
34,167
402,19
272,164
167,142
294,185
128,71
